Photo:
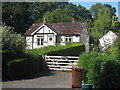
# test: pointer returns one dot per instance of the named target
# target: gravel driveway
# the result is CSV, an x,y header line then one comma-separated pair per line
x,y
55,80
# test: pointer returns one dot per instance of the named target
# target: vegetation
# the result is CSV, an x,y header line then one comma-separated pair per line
x,y
48,49
104,21
12,43
21,15
102,69
15,55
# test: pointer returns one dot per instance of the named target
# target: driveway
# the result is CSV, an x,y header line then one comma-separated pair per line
x,y
56,79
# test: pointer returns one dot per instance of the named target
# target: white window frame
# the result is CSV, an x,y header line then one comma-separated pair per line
x,y
69,38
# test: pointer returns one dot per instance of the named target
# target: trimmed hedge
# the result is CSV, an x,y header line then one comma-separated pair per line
x,y
27,66
72,49
30,63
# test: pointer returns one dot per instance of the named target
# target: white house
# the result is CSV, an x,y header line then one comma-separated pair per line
x,y
39,35
107,40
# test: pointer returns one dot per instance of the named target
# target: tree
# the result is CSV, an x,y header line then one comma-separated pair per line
x,y
21,15
80,14
94,10
106,20
57,16
115,26
102,24
112,9
17,15
12,43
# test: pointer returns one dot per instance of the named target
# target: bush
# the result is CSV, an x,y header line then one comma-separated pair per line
x,y
101,69
12,43
57,49
72,51
25,67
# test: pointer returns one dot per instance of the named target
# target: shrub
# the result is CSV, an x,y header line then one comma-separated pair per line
x,y
12,43
70,51
55,49
25,67
99,68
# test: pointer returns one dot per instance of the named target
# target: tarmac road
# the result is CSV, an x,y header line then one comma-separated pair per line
x,y
55,80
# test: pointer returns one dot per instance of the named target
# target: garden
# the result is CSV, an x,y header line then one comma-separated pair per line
x,y
19,62
102,69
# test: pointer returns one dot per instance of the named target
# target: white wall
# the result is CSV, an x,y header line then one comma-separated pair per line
x,y
107,39
46,33
28,38
29,42
61,39
76,38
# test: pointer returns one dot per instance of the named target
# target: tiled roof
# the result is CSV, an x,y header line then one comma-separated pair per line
x,y
59,28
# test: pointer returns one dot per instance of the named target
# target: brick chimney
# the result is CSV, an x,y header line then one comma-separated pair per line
x,y
73,20
44,21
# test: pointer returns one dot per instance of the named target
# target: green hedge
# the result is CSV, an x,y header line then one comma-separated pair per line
x,y
25,67
59,49
73,51
101,69
31,62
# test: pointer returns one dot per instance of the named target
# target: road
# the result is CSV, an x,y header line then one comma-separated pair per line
x,y
56,79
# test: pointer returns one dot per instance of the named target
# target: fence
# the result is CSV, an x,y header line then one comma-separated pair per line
x,y
61,62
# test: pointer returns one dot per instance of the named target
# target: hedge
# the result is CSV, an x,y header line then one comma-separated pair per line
x,y
25,67
102,69
72,49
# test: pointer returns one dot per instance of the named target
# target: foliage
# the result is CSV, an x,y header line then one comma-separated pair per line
x,y
105,21
98,69
21,15
31,66
66,14
48,49
94,9
17,15
72,51
12,43
57,16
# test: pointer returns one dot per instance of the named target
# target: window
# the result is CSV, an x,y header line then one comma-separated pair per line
x,y
76,35
50,39
41,41
38,41
68,38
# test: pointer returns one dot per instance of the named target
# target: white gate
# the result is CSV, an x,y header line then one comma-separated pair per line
x,y
61,62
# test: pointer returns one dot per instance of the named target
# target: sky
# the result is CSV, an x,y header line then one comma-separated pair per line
x,y
89,3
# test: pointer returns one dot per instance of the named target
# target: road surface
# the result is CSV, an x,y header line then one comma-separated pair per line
x,y
56,79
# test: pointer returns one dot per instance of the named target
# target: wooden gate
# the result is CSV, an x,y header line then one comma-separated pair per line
x,y
61,62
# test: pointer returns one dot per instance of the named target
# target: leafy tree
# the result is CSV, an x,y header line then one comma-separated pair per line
x,y
115,26
21,15
102,24
94,9
57,16
112,9
12,43
65,14
41,8
17,15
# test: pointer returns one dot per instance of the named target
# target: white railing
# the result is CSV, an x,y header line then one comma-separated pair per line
x,y
61,62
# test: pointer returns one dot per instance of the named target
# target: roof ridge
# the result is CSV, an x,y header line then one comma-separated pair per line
x,y
60,23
